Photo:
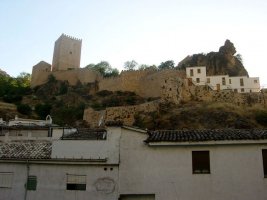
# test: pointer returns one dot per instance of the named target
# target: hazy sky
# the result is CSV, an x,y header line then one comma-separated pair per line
x,y
148,31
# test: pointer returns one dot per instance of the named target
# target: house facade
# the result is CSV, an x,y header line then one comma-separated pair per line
x,y
241,84
128,163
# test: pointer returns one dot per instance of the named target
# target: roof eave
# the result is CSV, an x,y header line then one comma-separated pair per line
x,y
206,143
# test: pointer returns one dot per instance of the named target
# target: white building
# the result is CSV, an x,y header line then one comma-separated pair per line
x,y
127,163
30,122
221,82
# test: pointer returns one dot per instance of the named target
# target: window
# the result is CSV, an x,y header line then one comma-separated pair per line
x,y
255,81
76,182
208,80
198,71
31,183
241,82
6,179
198,80
223,80
230,81
264,159
242,90
191,72
235,90
201,162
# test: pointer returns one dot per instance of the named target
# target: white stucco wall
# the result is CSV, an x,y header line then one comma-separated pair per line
x,y
249,84
101,184
236,171
90,149
214,80
201,75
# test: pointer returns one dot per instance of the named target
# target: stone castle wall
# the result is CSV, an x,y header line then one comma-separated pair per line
x,y
41,73
146,83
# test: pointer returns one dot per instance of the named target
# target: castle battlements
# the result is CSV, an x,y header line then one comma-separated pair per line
x,y
71,37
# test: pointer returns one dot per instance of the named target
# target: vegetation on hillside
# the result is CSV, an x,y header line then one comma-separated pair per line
x,y
203,115
12,89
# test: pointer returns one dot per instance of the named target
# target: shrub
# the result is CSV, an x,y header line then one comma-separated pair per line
x,y
104,93
43,110
261,117
12,98
24,109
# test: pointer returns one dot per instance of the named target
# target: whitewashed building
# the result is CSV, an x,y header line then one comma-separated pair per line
x,y
30,122
242,84
127,163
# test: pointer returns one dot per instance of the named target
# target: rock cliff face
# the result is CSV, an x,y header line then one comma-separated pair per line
x,y
218,63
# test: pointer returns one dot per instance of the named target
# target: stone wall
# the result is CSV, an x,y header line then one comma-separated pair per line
x,y
177,91
40,72
83,75
146,83
123,113
67,53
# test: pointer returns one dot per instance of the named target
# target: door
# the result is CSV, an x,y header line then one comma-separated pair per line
x,y
218,87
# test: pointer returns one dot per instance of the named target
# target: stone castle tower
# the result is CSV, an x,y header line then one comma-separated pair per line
x,y
67,53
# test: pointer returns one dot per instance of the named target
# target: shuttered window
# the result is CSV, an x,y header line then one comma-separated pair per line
x,y
6,179
76,182
201,162
31,183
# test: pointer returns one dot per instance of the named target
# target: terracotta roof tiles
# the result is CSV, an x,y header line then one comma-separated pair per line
x,y
205,135
25,150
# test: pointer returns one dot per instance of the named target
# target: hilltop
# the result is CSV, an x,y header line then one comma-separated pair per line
x,y
217,63
153,97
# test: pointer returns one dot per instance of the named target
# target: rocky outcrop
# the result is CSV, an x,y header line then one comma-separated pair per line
x,y
218,63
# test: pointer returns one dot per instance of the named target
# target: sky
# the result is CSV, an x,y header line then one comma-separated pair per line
x,y
147,31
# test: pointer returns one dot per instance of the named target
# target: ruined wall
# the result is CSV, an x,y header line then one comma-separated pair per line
x,y
123,113
146,83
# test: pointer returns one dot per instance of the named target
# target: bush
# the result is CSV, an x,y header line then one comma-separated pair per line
x,y
51,78
24,109
261,117
104,93
68,115
12,98
63,88
43,110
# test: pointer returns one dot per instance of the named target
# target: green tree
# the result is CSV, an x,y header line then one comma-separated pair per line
x,y
239,57
104,68
169,64
130,65
143,67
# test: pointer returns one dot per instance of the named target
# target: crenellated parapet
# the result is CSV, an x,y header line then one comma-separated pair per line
x,y
71,37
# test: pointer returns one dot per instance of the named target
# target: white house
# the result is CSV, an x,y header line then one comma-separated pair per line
x,y
242,84
128,163
30,122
